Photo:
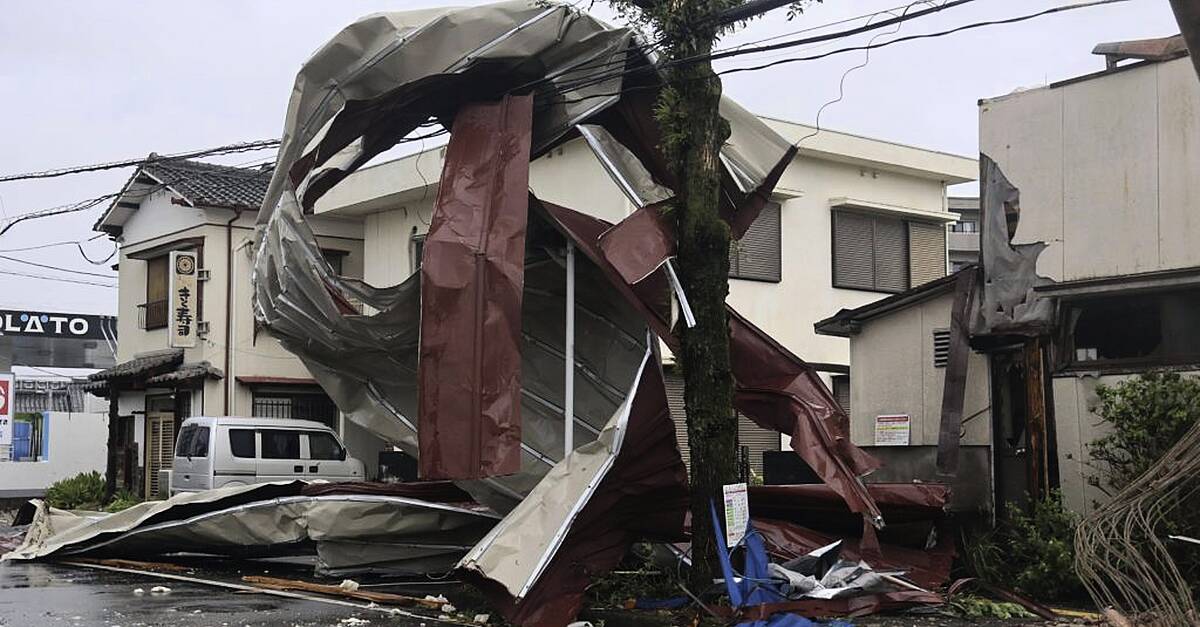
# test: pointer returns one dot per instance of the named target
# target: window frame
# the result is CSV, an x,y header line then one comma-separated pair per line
x,y
833,247
736,250
1065,347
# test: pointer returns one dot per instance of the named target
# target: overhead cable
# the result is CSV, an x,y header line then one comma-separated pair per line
x,y
261,144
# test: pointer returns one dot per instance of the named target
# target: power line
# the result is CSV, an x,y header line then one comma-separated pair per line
x,y
84,205
261,144
51,244
587,82
951,31
54,278
734,53
60,269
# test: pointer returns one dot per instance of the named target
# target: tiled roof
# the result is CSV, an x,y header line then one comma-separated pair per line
x,y
187,373
210,185
144,365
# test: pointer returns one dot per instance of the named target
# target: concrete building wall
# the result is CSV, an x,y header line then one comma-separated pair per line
x,y
75,446
1108,203
1078,424
892,372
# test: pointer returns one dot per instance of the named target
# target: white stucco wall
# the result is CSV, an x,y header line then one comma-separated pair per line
x,y
571,176
1106,168
892,372
159,221
76,444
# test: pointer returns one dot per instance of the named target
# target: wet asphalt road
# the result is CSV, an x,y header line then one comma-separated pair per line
x,y
32,595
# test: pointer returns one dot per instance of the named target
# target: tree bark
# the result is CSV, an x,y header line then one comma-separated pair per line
x,y
693,133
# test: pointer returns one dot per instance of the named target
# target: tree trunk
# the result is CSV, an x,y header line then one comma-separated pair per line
x,y
693,133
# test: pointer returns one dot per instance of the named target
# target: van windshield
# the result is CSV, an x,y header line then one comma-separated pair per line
x,y
324,446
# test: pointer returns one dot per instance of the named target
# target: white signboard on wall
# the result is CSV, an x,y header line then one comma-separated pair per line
x,y
892,430
8,398
183,315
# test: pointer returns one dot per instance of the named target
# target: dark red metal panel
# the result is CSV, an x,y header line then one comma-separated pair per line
x,y
472,275
644,496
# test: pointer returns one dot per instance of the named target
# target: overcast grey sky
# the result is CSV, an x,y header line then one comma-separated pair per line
x,y
97,81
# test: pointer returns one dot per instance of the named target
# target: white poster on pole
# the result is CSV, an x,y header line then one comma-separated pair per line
x,y
737,513
892,430
8,394
182,316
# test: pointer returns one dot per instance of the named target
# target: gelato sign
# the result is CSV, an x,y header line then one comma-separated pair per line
x,y
45,324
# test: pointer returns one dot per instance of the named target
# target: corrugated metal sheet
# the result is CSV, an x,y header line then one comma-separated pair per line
x,y
891,254
926,252
853,257
758,254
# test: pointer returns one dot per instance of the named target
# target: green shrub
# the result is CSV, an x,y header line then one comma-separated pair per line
x,y
83,491
1147,415
1031,552
122,500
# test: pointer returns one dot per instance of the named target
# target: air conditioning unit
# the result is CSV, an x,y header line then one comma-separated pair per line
x,y
164,484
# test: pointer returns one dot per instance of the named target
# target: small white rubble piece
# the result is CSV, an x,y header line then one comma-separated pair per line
x,y
580,623
448,608
348,585
482,619
439,598
353,622
138,592
160,590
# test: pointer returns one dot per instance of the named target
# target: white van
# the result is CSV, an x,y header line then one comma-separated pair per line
x,y
212,452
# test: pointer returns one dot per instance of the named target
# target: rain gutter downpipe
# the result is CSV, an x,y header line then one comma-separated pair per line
x,y
229,276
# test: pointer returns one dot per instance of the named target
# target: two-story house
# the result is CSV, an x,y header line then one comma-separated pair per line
x,y
228,366
853,219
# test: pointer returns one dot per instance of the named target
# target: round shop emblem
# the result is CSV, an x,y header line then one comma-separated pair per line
x,y
185,264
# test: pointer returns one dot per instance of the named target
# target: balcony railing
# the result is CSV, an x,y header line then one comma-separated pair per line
x,y
152,315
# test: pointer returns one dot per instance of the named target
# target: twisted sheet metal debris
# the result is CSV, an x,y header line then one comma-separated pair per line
x,y
349,532
381,79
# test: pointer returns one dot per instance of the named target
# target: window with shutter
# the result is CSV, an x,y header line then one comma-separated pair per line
x,y
927,252
841,391
675,403
750,435
758,256
884,253
853,251
891,255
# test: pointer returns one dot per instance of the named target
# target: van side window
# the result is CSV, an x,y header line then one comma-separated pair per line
x,y
324,446
279,444
241,442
